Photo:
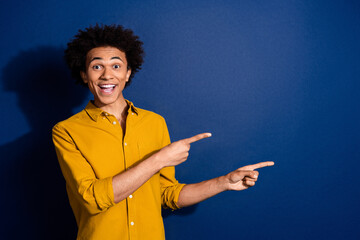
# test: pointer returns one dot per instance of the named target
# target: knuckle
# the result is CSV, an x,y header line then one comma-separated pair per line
x,y
250,183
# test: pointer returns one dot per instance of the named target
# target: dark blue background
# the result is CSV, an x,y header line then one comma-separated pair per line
x,y
272,80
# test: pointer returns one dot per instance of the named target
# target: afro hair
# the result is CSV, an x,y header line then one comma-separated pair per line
x,y
103,36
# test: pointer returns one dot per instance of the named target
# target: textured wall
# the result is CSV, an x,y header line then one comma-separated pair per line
x,y
272,80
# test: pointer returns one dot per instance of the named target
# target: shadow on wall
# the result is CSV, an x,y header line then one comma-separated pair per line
x,y
34,201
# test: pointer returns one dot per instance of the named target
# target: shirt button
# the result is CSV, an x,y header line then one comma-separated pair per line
x,y
125,144
114,122
130,196
132,113
132,223
106,114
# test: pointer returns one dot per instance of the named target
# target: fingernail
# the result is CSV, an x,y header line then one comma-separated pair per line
x,y
209,134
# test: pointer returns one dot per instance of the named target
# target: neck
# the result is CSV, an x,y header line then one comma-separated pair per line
x,y
118,108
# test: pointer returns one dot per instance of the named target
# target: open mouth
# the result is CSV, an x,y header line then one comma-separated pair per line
x,y
107,88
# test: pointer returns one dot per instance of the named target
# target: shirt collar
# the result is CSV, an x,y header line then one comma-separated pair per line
x,y
94,112
132,108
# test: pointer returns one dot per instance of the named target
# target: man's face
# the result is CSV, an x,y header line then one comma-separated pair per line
x,y
106,74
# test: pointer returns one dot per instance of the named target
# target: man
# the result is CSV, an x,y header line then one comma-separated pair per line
x,y
117,159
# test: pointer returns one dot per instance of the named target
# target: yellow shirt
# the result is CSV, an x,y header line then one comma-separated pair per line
x,y
91,149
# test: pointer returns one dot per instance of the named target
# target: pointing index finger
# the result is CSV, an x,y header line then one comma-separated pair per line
x,y
258,165
197,137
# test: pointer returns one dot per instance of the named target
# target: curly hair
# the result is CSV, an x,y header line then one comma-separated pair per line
x,y
102,36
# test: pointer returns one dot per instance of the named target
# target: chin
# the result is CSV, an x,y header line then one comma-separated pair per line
x,y
104,101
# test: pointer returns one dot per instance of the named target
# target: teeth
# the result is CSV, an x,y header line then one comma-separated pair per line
x,y
107,86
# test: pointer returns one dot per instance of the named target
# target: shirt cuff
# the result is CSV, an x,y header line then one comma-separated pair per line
x,y
104,193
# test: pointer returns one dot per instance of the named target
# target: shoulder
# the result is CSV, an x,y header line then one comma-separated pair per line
x,y
71,121
149,119
146,114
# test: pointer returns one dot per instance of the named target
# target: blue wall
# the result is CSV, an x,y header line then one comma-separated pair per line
x,y
272,80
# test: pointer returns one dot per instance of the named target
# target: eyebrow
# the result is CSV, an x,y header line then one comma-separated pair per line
x,y
99,58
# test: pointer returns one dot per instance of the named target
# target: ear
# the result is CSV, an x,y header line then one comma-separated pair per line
x,y
83,76
128,73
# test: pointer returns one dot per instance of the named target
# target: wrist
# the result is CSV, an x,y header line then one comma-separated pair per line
x,y
155,161
222,183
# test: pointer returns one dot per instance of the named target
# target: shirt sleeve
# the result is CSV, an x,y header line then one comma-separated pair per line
x,y
96,195
170,187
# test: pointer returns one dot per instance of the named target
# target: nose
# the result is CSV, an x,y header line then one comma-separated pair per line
x,y
106,74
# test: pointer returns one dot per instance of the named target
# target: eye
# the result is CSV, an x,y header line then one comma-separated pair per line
x,y
96,67
116,66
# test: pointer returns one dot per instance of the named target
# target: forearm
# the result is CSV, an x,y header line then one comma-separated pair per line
x,y
197,192
127,182
240,179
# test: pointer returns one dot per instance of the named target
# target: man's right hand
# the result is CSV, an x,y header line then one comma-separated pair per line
x,y
177,152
